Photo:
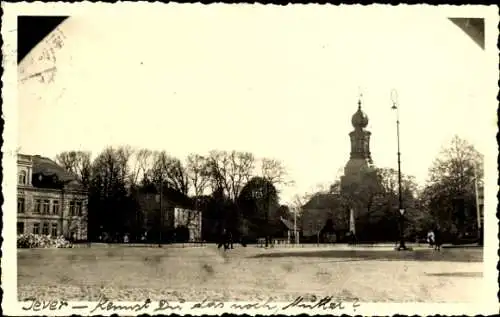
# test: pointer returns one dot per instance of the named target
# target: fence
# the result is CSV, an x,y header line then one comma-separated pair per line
x,y
140,245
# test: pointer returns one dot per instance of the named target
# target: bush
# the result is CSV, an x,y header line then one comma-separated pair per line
x,y
30,240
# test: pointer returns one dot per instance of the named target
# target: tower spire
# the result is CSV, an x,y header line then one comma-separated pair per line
x,y
360,97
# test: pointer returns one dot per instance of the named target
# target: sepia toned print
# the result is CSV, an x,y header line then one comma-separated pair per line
x,y
252,159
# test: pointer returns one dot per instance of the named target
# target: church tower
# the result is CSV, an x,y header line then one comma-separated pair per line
x,y
360,160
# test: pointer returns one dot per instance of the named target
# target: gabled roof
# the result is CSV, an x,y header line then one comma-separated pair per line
x,y
288,223
321,201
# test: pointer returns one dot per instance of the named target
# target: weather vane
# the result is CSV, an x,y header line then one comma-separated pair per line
x,y
360,96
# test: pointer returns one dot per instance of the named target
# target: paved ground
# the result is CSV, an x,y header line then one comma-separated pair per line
x,y
194,273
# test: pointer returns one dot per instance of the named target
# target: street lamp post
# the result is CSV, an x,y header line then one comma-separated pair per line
x,y
161,211
295,227
478,207
402,245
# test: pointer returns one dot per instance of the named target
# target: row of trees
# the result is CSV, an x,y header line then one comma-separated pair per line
x,y
236,191
447,200
224,186
454,184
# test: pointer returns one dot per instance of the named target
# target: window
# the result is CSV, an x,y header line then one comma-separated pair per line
x,y
46,206
38,206
366,146
45,229
22,178
20,204
72,208
78,208
55,207
75,208
20,227
36,228
53,231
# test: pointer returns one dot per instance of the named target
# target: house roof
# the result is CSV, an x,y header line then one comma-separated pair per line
x,y
288,223
171,195
47,167
321,201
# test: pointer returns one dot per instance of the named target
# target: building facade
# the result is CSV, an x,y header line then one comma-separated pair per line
x,y
191,219
50,201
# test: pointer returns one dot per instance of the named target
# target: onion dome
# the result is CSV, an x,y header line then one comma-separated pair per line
x,y
359,119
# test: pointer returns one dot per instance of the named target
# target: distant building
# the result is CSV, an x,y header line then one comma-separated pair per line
x,y
318,211
177,210
149,205
315,214
288,229
50,200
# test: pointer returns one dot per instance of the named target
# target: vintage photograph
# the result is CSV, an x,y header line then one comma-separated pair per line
x,y
304,155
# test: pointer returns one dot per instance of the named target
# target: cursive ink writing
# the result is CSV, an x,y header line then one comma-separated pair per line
x,y
325,303
254,306
38,305
355,304
107,305
208,304
163,304
47,74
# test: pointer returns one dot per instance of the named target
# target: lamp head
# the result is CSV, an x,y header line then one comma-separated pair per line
x,y
394,98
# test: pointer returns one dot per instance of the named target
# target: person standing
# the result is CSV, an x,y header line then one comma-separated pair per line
x,y
223,240
430,238
230,240
437,239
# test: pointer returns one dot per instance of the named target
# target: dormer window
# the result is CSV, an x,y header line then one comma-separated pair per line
x,y
22,178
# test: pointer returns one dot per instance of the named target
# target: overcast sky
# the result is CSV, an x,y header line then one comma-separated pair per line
x,y
281,82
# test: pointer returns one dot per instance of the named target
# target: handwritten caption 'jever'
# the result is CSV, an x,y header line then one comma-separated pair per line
x,y
327,303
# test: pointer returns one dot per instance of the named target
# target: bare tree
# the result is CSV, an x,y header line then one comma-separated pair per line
x,y
450,192
230,171
77,163
298,202
123,155
110,169
171,171
143,160
198,173
275,172
110,205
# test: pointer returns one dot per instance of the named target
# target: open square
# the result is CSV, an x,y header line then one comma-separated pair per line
x,y
244,274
